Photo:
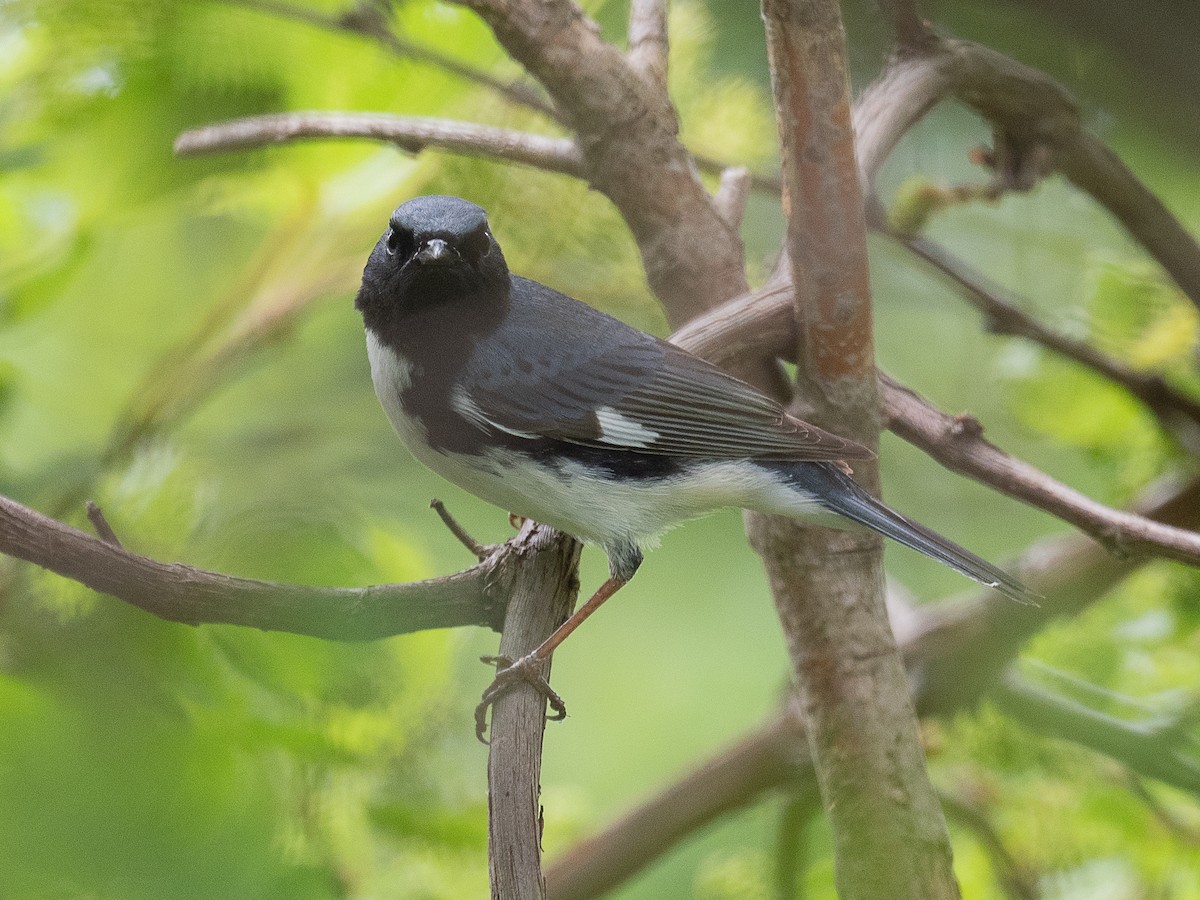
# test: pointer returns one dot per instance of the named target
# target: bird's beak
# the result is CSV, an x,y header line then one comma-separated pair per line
x,y
435,251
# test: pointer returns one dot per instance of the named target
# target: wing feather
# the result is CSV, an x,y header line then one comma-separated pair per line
x,y
652,396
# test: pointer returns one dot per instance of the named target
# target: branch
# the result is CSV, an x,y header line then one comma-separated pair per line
x,y
888,831
367,20
1147,749
181,593
728,781
648,41
1005,316
543,595
954,656
957,443
1037,127
763,323
628,135
913,34
409,133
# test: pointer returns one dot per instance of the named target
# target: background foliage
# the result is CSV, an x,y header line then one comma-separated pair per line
x,y
177,342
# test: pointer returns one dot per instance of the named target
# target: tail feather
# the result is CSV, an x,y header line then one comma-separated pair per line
x,y
844,496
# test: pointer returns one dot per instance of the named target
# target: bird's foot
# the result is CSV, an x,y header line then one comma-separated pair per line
x,y
527,669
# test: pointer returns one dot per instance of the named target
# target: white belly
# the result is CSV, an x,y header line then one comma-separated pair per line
x,y
572,498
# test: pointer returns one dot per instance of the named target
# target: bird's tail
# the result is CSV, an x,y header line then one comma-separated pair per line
x,y
841,494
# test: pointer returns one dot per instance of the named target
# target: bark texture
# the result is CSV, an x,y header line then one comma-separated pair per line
x,y
889,835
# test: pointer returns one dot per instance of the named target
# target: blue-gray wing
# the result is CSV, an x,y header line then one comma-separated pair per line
x,y
623,389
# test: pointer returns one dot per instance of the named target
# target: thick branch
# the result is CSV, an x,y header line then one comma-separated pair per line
x,y
406,132
889,836
628,134
181,593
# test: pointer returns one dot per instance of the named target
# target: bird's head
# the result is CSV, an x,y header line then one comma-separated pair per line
x,y
435,250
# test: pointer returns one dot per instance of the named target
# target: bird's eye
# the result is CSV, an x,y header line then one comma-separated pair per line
x,y
394,241
477,244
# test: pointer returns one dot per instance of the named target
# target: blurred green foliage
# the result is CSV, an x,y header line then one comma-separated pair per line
x,y
177,342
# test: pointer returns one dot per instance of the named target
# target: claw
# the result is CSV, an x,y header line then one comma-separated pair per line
x,y
527,669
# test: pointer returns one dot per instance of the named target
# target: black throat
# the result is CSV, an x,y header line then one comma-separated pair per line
x,y
434,324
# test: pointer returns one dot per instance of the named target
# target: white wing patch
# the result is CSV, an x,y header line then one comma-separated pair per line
x,y
621,431
469,409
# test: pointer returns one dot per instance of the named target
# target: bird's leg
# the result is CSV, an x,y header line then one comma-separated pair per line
x,y
529,667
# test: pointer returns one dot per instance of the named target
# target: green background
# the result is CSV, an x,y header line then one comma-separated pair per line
x,y
178,342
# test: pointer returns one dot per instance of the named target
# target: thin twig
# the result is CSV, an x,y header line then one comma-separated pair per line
x,y
103,529
410,133
478,550
367,21
1005,316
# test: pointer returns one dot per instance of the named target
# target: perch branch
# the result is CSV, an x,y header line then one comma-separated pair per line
x,y
181,593
543,595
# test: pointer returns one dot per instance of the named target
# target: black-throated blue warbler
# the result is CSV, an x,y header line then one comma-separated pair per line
x,y
551,410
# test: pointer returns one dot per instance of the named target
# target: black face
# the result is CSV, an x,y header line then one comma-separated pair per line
x,y
436,250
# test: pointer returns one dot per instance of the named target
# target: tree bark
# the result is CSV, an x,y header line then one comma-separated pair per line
x,y
890,838
543,595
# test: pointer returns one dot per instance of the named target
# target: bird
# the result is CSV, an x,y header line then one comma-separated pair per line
x,y
556,412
